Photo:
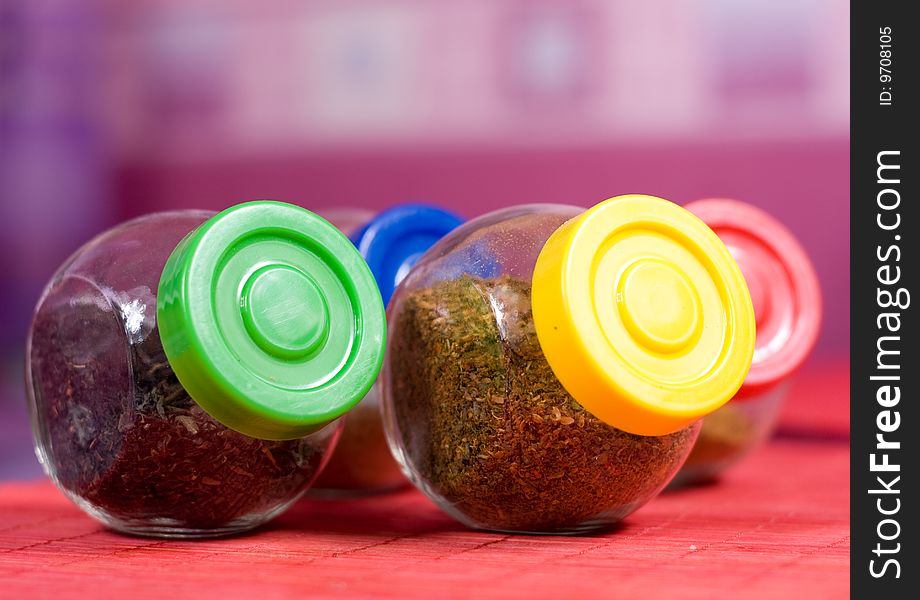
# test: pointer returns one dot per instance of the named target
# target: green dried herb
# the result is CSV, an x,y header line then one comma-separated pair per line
x,y
490,430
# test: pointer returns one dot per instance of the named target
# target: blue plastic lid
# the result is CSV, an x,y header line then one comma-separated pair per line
x,y
393,241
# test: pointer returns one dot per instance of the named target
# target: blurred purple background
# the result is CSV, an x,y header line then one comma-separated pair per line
x,y
113,109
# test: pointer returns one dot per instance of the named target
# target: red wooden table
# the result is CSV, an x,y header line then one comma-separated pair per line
x,y
777,525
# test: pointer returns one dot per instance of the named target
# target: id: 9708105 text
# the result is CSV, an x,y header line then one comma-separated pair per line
x,y
885,74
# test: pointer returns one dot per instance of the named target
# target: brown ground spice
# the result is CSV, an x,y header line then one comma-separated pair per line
x,y
489,428
361,462
725,434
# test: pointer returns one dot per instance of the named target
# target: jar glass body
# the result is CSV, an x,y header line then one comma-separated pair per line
x,y
347,219
731,432
361,463
116,431
474,413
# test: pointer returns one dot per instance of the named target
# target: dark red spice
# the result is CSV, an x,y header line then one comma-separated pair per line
x,y
119,433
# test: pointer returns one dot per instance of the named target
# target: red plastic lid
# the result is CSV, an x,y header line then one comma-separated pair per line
x,y
782,281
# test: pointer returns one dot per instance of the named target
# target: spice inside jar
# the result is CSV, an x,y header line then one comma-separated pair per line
x,y
786,298
159,458
515,415
162,414
503,440
391,241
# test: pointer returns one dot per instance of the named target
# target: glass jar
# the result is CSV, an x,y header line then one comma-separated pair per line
x,y
186,371
787,309
392,243
347,219
547,366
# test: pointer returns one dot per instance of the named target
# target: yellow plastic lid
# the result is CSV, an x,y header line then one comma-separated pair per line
x,y
643,315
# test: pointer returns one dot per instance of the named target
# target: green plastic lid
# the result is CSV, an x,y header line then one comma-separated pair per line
x,y
271,320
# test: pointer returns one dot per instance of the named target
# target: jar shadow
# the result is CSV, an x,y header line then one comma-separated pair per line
x,y
397,514
401,514
680,485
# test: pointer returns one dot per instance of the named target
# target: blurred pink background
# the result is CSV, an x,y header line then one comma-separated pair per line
x,y
112,109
